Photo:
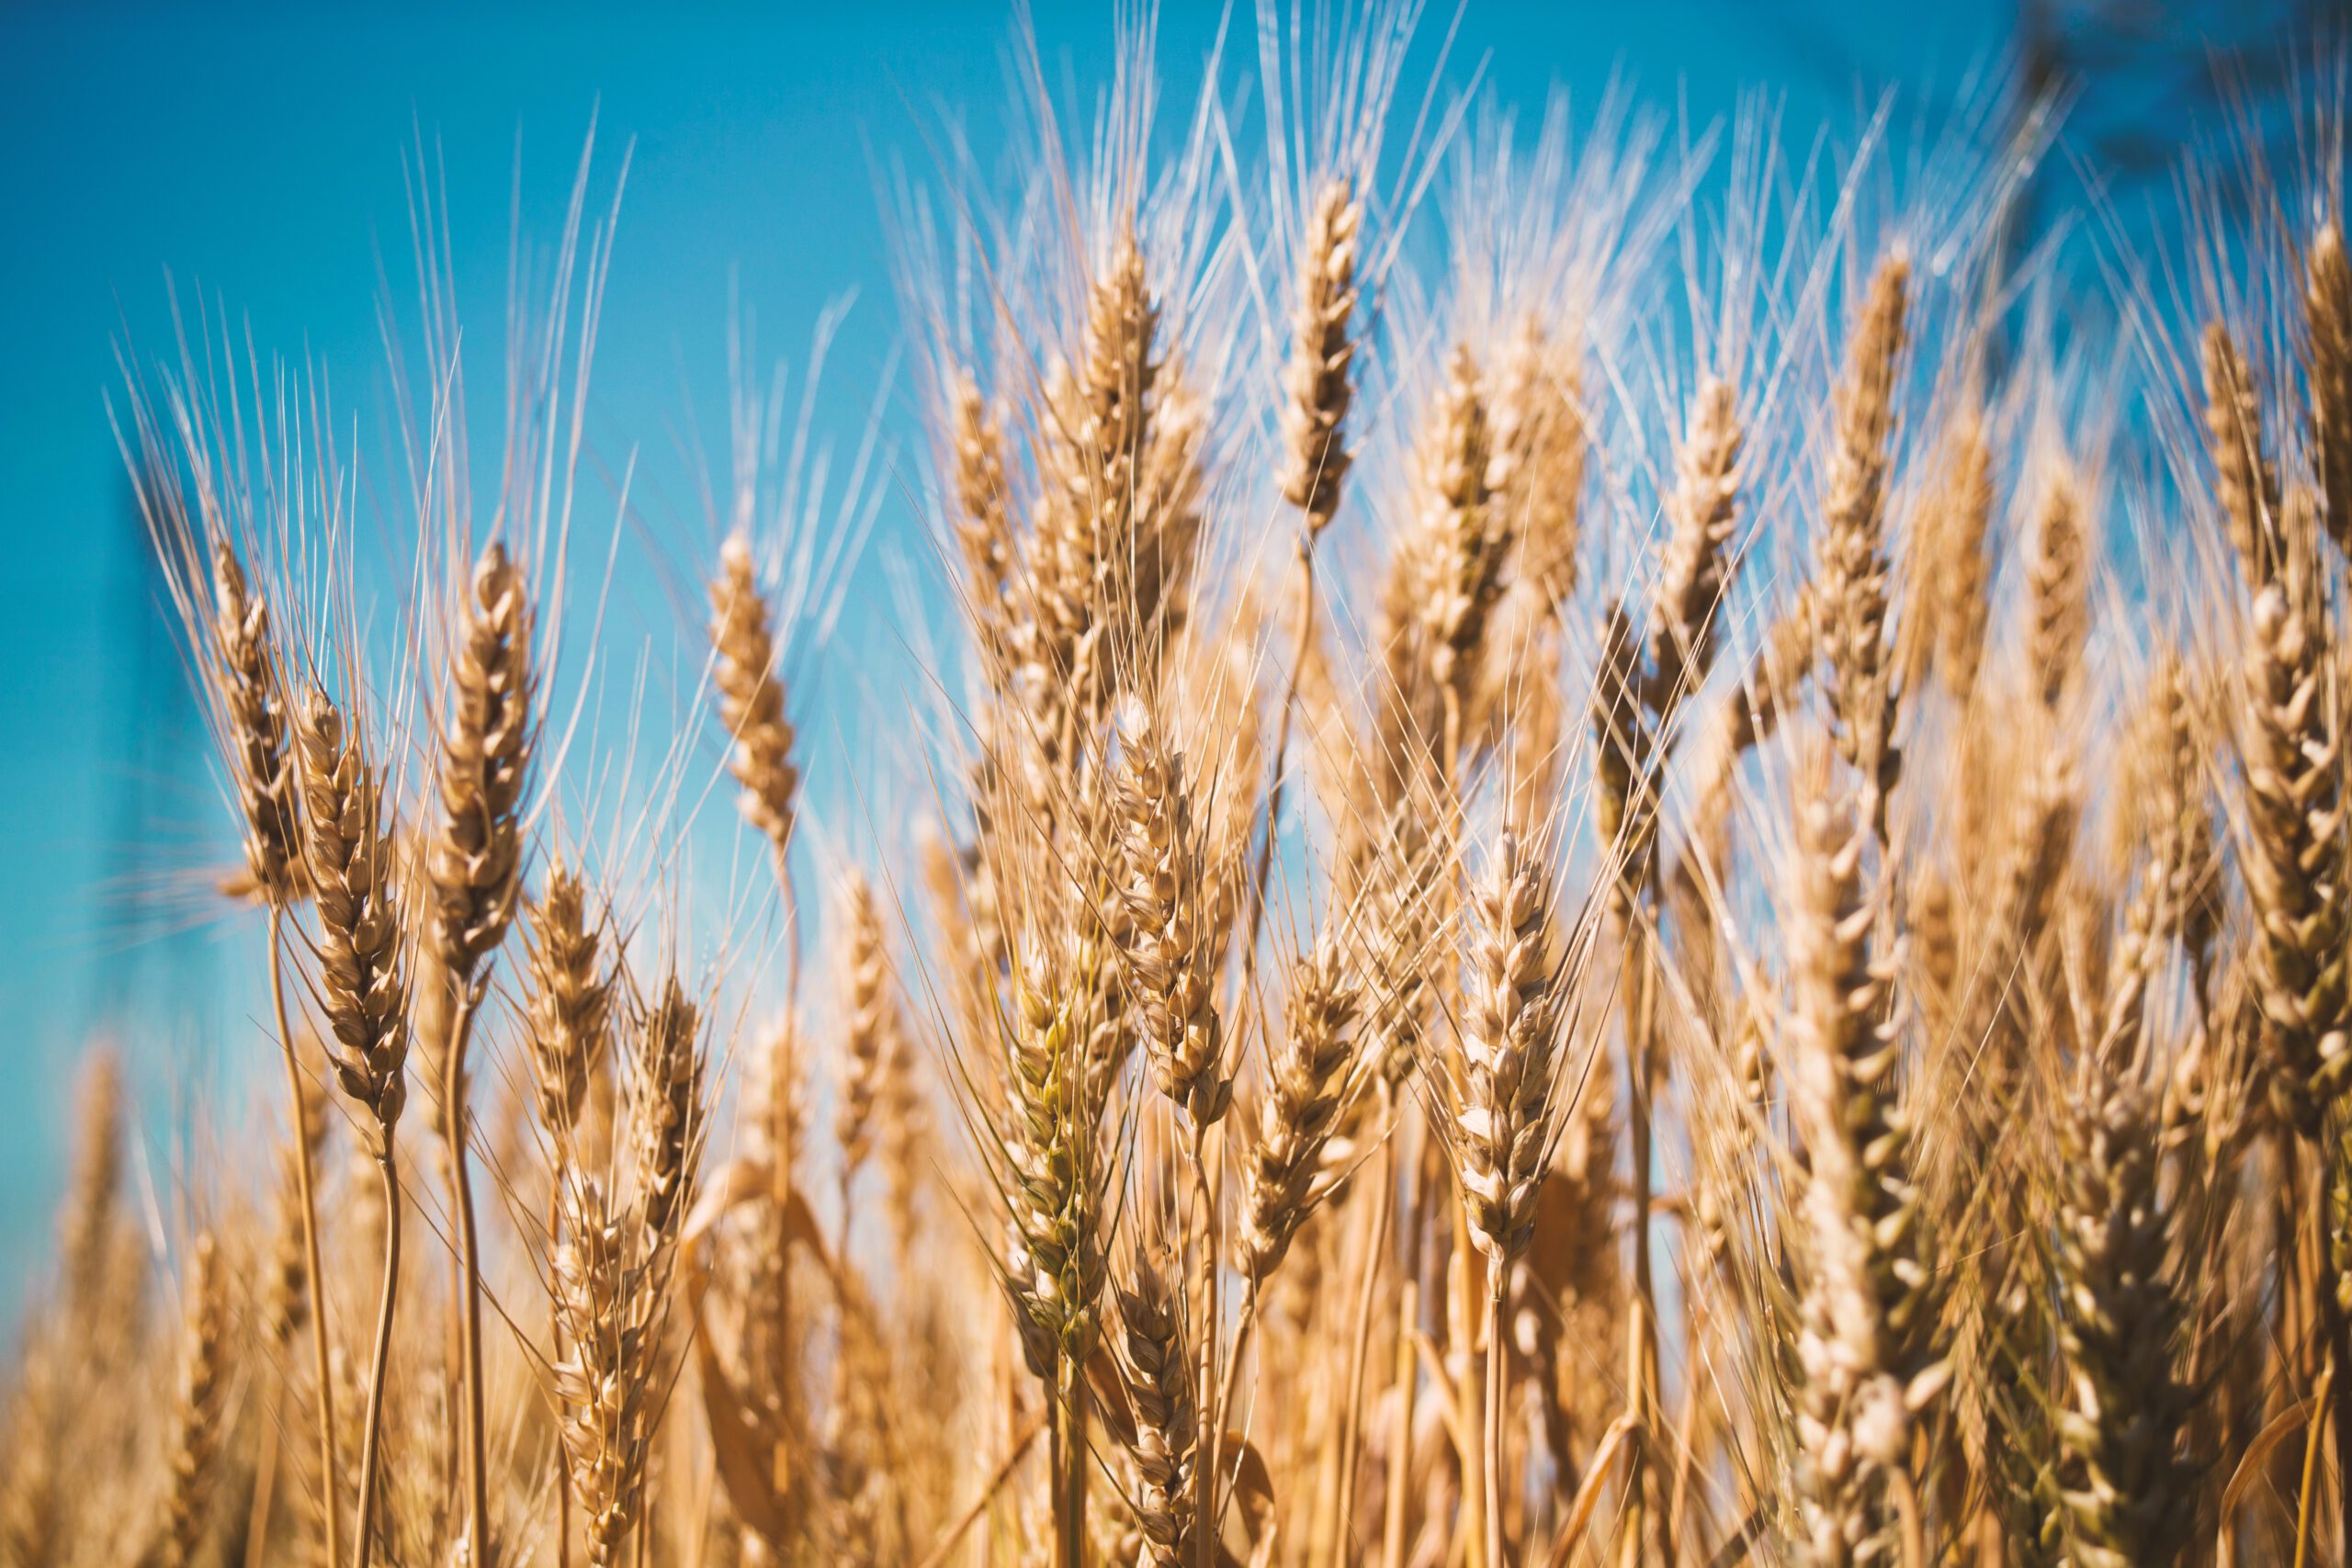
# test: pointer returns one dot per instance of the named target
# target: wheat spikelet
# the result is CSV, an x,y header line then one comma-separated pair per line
x,y
908,1139
1318,380
1114,393
1309,1082
2246,485
1850,594
195,1448
751,695
1776,677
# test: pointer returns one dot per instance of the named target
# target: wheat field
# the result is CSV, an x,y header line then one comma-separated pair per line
x,y
1610,855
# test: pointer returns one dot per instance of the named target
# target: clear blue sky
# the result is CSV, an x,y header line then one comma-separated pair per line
x,y
256,154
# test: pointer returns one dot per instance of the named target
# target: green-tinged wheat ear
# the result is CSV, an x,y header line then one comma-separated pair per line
x,y
1053,1263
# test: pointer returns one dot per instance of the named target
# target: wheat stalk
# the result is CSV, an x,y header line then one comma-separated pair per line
x,y
361,987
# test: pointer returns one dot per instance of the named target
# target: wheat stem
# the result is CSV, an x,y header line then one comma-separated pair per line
x,y
317,1282
363,1539
454,1114
1492,1469
1375,1251
1400,1440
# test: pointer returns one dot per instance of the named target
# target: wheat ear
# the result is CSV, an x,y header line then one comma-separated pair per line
x,y
195,1441
1169,952
2295,868
1850,600
1157,1374
1861,1380
751,697
474,869
869,1032
2246,483
2129,1493
2327,315
1318,383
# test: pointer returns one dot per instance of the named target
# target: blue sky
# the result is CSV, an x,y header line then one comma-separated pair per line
x,y
257,155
